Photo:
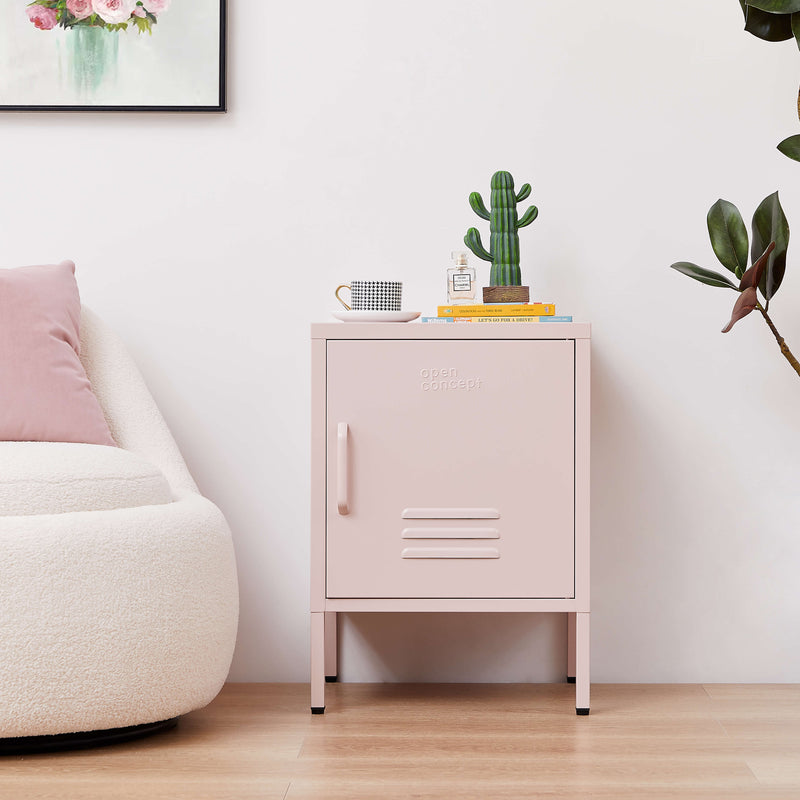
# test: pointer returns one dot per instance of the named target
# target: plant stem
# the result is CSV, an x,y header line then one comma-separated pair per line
x,y
781,343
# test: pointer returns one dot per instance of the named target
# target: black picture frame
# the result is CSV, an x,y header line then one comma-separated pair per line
x,y
219,107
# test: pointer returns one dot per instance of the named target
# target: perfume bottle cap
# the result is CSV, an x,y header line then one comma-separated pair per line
x,y
460,257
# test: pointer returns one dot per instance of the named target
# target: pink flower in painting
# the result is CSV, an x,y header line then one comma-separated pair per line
x,y
80,9
43,18
113,12
156,6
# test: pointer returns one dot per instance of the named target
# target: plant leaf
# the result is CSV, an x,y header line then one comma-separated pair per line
x,y
770,225
707,276
745,303
791,147
752,277
776,6
796,27
769,27
728,235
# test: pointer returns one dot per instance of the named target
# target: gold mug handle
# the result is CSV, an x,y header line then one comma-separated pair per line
x,y
343,286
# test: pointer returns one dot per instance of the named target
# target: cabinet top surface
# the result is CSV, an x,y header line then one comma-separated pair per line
x,y
456,330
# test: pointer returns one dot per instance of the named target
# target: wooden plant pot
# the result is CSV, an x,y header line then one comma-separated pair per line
x,y
506,294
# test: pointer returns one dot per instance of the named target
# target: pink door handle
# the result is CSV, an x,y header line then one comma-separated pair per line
x,y
342,483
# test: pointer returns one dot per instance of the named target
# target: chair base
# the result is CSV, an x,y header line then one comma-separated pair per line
x,y
27,745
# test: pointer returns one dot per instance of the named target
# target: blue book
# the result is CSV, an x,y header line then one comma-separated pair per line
x,y
461,320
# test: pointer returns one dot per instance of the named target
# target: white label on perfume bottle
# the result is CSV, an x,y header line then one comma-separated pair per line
x,y
462,283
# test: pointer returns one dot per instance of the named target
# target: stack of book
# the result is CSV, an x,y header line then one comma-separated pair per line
x,y
498,312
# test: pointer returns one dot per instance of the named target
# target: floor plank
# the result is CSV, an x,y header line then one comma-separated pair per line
x,y
387,741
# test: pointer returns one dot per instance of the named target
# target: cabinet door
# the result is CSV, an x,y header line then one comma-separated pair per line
x,y
450,468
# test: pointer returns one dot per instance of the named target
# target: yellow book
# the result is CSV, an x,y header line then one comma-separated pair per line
x,y
499,310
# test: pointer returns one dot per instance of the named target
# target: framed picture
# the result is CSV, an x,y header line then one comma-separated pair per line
x,y
112,55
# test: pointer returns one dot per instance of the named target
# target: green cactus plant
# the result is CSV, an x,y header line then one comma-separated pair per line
x,y
504,245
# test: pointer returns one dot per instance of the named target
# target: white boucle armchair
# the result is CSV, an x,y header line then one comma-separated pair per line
x,y
118,589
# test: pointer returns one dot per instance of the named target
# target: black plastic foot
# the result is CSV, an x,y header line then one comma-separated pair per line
x,y
331,678
570,679
25,745
317,709
582,712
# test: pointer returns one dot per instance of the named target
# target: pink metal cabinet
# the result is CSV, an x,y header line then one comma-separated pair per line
x,y
449,472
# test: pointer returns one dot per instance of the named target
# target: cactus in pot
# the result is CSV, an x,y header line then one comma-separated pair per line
x,y
504,223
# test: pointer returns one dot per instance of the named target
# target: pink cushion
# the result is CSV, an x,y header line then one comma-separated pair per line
x,y
45,395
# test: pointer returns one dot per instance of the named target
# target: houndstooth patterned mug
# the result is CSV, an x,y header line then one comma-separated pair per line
x,y
372,295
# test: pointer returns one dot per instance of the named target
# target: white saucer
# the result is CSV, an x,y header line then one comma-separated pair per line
x,y
376,316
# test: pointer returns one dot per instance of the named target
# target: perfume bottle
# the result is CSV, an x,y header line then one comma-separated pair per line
x,y
461,285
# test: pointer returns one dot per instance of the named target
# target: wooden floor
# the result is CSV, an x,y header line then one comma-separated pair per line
x,y
388,741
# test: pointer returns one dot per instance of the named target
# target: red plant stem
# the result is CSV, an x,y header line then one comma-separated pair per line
x,y
781,343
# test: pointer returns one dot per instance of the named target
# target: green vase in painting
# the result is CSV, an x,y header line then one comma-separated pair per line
x,y
92,56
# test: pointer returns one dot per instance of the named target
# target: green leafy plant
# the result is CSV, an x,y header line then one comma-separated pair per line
x,y
776,21
503,224
772,20
729,240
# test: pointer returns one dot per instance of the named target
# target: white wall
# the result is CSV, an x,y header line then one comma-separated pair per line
x,y
356,131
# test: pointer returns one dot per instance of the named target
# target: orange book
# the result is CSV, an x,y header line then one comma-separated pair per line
x,y
499,310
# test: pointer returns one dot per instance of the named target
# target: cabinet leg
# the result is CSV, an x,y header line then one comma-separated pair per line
x,y
582,667
331,664
317,662
571,647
